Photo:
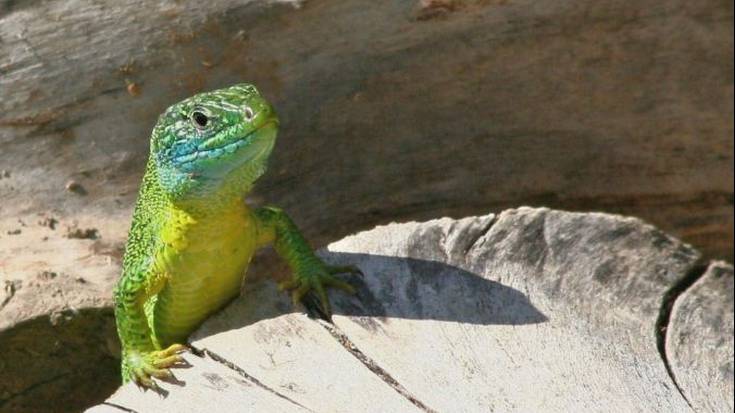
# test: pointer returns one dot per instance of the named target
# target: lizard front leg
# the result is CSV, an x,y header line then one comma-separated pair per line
x,y
141,357
309,272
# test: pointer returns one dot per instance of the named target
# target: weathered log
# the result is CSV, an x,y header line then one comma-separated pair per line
x,y
530,310
697,345
391,111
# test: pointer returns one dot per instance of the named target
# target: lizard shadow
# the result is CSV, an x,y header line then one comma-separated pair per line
x,y
392,287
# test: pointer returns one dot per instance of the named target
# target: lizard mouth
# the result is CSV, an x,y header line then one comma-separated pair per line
x,y
206,151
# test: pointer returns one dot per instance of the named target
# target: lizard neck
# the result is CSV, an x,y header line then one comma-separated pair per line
x,y
212,198
212,208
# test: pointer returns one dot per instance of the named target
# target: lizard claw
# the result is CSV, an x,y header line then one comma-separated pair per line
x,y
302,284
142,367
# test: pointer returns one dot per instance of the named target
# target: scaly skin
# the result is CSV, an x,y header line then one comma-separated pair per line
x,y
192,235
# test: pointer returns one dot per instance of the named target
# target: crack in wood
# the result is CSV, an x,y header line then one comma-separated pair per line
x,y
119,407
234,367
480,234
696,272
372,365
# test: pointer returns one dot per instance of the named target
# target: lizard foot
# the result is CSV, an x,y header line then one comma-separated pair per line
x,y
316,280
141,367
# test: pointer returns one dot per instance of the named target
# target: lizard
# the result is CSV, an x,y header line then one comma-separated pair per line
x,y
193,235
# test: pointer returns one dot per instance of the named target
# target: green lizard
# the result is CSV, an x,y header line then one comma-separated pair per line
x,y
192,235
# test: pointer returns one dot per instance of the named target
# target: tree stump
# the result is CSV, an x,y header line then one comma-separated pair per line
x,y
391,111
529,310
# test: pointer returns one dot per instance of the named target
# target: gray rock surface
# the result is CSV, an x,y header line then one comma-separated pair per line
x,y
529,310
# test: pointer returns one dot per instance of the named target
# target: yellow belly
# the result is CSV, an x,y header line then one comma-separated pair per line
x,y
204,261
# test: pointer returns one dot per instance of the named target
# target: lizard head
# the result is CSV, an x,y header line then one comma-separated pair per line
x,y
213,142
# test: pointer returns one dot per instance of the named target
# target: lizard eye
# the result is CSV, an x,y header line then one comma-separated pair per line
x,y
199,119
249,114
